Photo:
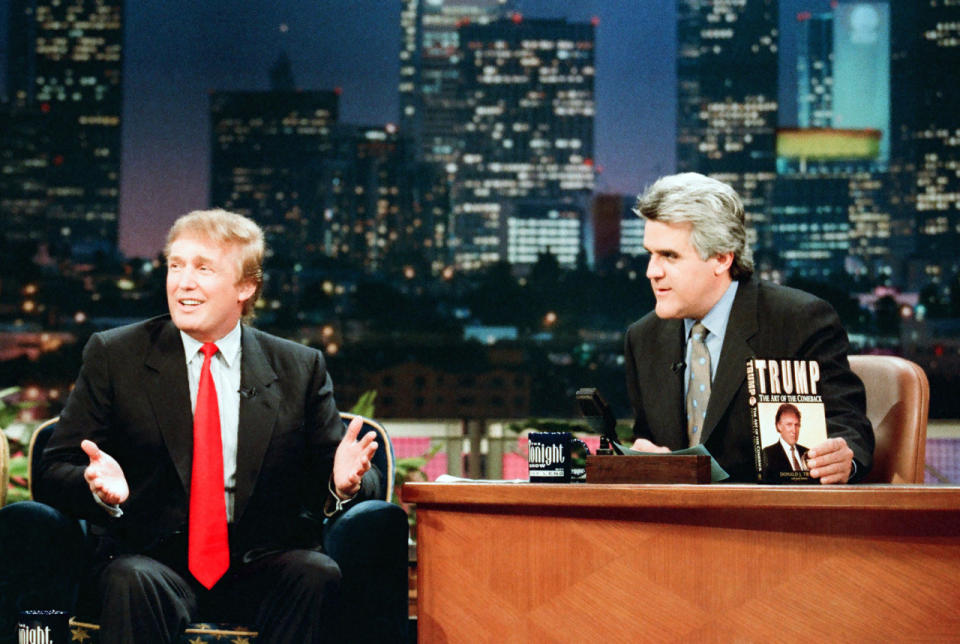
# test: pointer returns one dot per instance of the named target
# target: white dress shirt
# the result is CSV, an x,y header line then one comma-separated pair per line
x,y
225,369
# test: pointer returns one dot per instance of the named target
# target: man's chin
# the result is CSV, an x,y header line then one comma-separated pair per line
x,y
665,312
182,321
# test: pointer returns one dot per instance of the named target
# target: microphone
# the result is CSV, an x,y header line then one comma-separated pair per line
x,y
678,367
247,392
599,416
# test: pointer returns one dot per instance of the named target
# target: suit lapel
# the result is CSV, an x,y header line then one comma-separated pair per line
x,y
169,393
675,345
731,370
258,415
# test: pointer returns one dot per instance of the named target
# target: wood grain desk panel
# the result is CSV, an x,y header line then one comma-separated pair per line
x,y
717,563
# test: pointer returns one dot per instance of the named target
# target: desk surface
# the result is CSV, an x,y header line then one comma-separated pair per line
x,y
578,562
816,497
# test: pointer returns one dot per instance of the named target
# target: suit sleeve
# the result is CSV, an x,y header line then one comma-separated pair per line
x,y
641,428
329,432
843,392
60,481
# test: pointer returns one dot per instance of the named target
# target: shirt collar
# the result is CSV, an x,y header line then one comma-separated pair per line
x,y
717,317
228,346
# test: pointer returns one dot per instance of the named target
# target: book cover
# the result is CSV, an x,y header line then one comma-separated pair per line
x,y
787,417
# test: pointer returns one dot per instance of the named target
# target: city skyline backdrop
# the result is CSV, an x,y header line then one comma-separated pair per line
x,y
177,53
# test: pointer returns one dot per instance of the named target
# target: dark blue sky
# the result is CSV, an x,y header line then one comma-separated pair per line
x,y
177,51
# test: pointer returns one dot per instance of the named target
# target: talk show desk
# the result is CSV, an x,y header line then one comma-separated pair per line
x,y
526,562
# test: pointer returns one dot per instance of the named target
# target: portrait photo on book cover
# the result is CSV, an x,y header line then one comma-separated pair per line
x,y
787,431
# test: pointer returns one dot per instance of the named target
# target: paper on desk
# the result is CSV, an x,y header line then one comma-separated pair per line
x,y
447,478
717,473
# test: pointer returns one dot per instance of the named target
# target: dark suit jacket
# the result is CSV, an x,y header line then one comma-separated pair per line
x,y
132,398
766,321
775,460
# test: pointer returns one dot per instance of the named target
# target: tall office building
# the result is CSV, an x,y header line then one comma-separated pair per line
x,y
543,228
431,106
926,145
64,83
365,192
830,213
809,224
605,217
815,70
528,136
861,69
727,104
267,154
320,189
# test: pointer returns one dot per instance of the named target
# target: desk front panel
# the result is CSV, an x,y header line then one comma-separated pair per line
x,y
700,563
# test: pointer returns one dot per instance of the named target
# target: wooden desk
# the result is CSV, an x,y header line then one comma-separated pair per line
x,y
703,563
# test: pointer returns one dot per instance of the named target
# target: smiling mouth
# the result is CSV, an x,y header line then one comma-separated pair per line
x,y
190,302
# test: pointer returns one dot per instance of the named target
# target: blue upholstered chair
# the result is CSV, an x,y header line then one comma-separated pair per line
x,y
355,539
4,467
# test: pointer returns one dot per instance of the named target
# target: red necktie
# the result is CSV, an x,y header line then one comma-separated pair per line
x,y
209,553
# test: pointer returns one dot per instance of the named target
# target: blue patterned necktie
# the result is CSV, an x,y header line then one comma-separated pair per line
x,y
698,389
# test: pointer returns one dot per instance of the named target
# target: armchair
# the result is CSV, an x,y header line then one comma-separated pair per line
x,y
372,574
4,468
898,402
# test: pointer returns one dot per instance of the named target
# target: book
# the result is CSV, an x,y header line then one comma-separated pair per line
x,y
787,417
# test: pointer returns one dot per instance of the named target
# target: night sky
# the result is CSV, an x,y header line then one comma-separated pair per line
x,y
177,51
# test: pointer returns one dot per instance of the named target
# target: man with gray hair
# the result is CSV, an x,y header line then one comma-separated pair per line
x,y
685,360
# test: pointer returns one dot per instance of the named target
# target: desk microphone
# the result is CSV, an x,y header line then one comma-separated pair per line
x,y
599,416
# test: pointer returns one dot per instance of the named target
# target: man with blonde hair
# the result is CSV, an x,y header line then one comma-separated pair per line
x,y
685,360
205,455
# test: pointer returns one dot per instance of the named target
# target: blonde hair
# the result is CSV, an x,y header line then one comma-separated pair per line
x,y
222,227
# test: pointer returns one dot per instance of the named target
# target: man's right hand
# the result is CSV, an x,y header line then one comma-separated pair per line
x,y
643,445
104,475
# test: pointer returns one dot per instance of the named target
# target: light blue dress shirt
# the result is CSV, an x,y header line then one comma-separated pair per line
x,y
716,322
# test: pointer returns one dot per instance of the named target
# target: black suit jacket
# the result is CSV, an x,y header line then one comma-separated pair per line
x,y
775,460
766,321
132,398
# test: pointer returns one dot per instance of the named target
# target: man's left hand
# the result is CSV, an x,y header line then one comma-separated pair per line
x,y
352,459
831,461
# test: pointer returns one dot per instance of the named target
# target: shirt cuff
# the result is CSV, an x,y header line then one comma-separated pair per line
x,y
334,503
113,510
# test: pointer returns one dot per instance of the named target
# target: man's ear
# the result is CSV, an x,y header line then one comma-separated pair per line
x,y
246,289
724,262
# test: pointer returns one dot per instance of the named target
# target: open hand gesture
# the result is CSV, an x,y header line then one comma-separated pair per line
x,y
104,475
352,459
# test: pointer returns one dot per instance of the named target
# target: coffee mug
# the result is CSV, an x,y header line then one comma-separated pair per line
x,y
556,457
548,457
43,627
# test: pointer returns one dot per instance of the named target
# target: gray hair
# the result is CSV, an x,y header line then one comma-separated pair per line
x,y
713,208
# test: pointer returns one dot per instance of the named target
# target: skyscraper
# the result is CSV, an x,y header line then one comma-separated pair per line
x,y
861,69
528,135
365,192
268,149
815,70
727,104
830,213
65,82
926,144
430,103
